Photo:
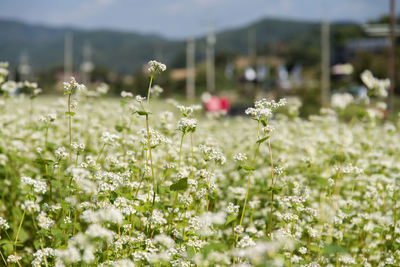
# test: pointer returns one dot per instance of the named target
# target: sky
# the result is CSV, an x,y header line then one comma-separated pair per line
x,y
184,18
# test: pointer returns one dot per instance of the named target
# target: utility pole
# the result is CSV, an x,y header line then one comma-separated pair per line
x,y
24,68
190,69
68,53
325,63
391,61
252,47
210,64
87,64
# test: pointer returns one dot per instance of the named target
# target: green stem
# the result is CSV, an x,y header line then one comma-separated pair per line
x,y
2,256
45,141
248,187
180,152
69,128
248,178
191,149
272,191
19,229
101,152
148,131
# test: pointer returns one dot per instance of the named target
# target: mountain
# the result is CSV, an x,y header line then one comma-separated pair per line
x,y
127,51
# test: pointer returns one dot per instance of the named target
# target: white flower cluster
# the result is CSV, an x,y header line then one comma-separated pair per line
x,y
61,153
238,229
110,214
44,221
187,125
349,169
156,138
378,86
109,139
79,147
341,101
126,94
97,231
39,186
14,258
72,85
268,130
156,90
103,88
31,86
3,224
240,157
40,255
30,206
140,98
212,154
155,66
188,111
80,248
278,170
9,86
263,108
3,71
48,118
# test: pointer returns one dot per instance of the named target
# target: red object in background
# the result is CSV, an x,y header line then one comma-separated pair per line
x,y
217,104
224,102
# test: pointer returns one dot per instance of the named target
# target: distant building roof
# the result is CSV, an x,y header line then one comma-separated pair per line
x,y
369,44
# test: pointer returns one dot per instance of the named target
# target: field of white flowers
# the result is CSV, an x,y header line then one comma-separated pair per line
x,y
90,181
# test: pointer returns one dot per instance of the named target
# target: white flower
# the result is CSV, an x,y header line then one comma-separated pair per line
x,y
109,139
155,66
103,88
156,90
44,221
140,99
240,157
72,85
61,153
13,258
3,224
186,125
95,230
379,86
341,101
125,94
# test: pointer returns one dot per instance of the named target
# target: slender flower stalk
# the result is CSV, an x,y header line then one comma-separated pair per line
x,y
248,178
272,188
69,88
153,68
70,127
148,130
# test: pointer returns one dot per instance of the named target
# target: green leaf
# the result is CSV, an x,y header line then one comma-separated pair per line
x,y
264,122
142,112
164,189
119,128
262,140
213,247
180,185
6,242
231,218
70,113
247,168
67,92
36,244
333,249
275,189
191,252
42,161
